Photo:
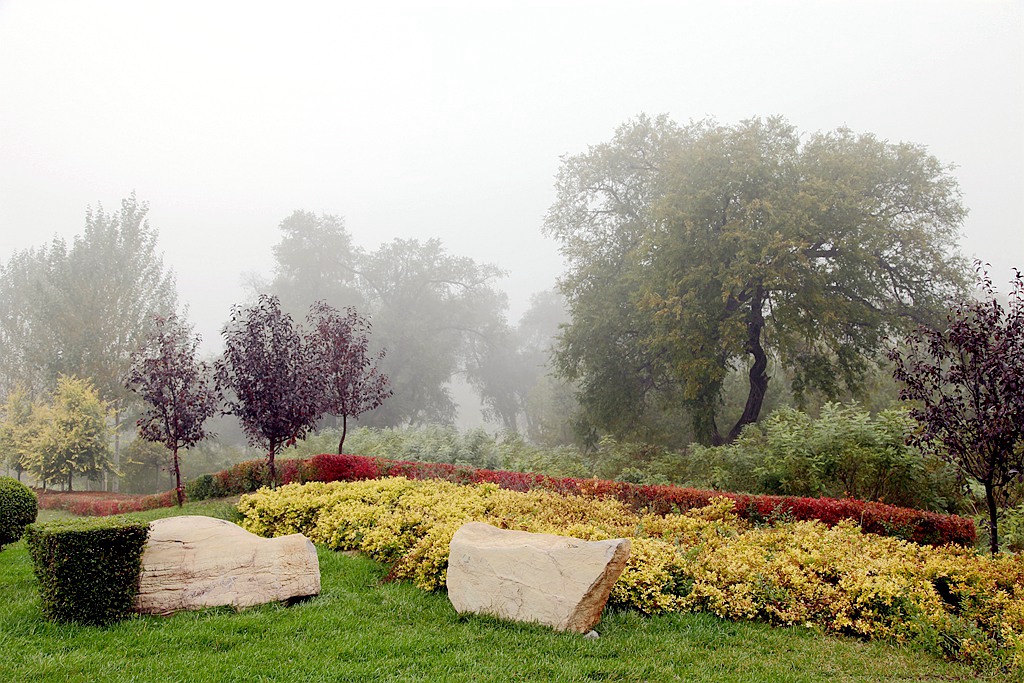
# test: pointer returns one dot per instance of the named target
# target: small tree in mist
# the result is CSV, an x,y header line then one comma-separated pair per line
x,y
72,434
177,389
353,384
967,382
17,429
268,378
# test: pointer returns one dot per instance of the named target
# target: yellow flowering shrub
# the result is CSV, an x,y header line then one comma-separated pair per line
x,y
836,579
656,578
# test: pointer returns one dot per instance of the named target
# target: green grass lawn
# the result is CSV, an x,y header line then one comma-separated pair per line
x,y
361,630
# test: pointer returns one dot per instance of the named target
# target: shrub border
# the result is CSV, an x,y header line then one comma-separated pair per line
x,y
919,526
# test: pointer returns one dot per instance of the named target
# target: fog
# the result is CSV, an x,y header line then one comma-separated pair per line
x,y
448,119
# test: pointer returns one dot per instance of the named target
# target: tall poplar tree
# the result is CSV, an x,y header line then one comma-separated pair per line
x,y
82,308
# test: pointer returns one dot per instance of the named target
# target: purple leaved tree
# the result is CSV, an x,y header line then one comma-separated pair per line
x,y
353,384
166,373
269,377
966,383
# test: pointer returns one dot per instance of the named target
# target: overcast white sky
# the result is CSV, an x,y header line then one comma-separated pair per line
x,y
447,119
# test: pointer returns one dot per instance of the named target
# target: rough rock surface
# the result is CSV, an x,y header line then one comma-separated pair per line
x,y
558,581
194,562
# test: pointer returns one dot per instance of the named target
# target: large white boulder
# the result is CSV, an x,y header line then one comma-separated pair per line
x,y
193,562
557,581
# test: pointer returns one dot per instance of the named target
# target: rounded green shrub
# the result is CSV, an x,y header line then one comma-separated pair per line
x,y
202,488
18,509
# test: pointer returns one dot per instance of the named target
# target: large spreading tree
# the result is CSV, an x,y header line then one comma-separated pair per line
x,y
694,250
965,381
177,389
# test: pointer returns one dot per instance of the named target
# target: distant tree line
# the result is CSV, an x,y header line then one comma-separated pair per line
x,y
441,317
81,309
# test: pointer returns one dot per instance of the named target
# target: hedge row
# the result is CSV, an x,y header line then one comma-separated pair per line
x,y
878,518
102,504
88,569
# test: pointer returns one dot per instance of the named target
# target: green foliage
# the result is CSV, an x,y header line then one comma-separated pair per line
x,y
81,309
145,466
846,452
203,487
18,509
88,569
396,632
436,443
18,427
73,436
636,463
694,250
1012,526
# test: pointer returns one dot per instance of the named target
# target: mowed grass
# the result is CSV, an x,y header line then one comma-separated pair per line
x,y
360,629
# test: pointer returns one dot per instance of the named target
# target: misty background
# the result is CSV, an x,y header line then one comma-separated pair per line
x,y
444,125
447,120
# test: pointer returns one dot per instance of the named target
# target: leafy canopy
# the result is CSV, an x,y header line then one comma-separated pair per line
x,y
352,381
72,436
176,387
437,313
965,380
82,309
267,376
696,249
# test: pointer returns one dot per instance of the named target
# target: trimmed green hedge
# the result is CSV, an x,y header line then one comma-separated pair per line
x,y
88,569
18,509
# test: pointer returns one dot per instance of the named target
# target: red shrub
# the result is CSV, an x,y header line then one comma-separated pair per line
x,y
103,503
887,520
333,467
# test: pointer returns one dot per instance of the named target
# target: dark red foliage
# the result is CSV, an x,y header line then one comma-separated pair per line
x,y
966,384
352,383
885,520
331,467
167,374
269,376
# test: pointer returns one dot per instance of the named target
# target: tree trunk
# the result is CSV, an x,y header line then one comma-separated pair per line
x,y
344,432
116,478
758,371
177,477
993,530
702,417
273,469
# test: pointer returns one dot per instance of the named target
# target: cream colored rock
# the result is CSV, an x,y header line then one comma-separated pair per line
x,y
558,581
194,562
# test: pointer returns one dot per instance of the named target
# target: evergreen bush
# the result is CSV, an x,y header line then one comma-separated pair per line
x,y
18,509
202,488
88,569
